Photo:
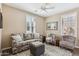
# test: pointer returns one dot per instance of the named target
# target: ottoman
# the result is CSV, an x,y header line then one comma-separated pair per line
x,y
37,48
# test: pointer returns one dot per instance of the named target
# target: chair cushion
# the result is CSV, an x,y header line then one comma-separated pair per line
x,y
49,39
67,44
69,38
29,41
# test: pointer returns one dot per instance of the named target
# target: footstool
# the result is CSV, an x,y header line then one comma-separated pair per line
x,y
37,48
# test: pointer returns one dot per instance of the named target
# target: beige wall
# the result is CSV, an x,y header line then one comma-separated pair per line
x,y
0,39
40,25
14,22
57,17
0,32
54,19
77,41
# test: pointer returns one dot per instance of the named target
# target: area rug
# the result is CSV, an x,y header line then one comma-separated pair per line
x,y
50,50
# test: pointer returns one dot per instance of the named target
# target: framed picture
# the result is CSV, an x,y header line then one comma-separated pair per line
x,y
52,26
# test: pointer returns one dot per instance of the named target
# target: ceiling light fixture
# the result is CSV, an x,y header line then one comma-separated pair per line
x,y
45,7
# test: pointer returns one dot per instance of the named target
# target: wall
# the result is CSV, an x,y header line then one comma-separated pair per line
x,y
14,22
0,39
54,19
0,32
57,17
77,41
40,25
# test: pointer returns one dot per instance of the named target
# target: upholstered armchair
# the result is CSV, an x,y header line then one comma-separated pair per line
x,y
51,39
67,42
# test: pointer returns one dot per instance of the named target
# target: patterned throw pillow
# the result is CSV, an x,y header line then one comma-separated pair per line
x,y
27,36
17,38
36,36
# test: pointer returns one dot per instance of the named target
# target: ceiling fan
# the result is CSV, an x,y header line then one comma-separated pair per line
x,y
45,7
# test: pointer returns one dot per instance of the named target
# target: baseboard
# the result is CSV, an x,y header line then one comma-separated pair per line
x,y
5,48
0,53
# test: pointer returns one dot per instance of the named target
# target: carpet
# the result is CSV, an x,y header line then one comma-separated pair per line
x,y
50,50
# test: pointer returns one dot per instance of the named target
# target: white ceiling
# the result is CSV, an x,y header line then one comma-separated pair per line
x,y
32,7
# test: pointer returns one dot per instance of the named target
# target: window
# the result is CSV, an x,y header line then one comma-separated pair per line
x,y
30,24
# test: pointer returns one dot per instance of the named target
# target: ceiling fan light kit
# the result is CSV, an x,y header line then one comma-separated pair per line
x,y
45,7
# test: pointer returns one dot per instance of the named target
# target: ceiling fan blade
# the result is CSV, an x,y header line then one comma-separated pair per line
x,y
50,8
45,11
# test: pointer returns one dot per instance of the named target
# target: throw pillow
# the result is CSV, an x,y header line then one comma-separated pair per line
x,y
36,36
17,38
27,36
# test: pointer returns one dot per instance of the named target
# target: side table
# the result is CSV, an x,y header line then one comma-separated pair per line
x,y
43,39
57,42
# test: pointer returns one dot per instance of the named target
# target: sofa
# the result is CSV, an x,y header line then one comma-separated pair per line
x,y
67,42
21,41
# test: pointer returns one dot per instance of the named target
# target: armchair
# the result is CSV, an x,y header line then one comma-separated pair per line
x,y
51,39
67,42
